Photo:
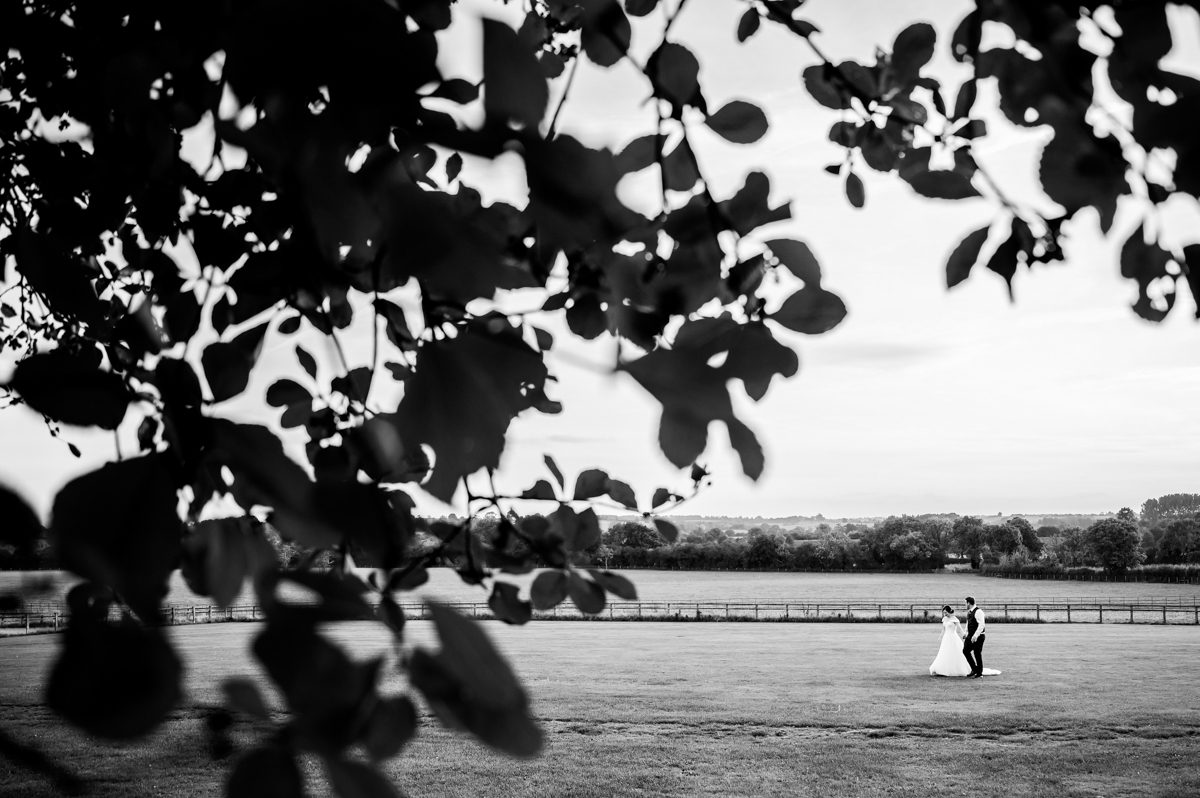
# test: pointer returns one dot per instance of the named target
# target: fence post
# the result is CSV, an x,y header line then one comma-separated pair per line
x,y
1101,608
172,616
1131,613
1164,613
911,612
1039,611
879,611
1068,613
847,611
56,620
1006,612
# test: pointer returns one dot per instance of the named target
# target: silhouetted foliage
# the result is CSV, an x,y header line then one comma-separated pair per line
x,y
140,285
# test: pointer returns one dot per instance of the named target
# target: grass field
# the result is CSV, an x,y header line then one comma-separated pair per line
x,y
731,709
945,587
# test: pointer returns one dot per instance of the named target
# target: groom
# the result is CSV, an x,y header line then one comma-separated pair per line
x,y
973,642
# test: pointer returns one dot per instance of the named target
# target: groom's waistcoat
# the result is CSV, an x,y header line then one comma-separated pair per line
x,y
972,624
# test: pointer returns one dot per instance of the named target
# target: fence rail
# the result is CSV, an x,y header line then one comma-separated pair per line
x,y
46,618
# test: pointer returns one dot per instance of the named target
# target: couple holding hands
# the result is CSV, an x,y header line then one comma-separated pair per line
x,y
961,651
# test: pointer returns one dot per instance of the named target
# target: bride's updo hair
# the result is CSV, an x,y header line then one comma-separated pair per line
x,y
946,608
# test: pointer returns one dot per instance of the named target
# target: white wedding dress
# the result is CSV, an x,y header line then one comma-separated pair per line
x,y
950,660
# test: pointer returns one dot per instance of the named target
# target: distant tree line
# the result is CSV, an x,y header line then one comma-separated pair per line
x,y
1165,533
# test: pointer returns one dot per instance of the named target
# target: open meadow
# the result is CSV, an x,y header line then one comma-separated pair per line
x,y
941,587
725,709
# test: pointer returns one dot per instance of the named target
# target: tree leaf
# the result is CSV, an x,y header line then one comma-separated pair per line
x,y
118,526
352,779
541,489
965,100
514,87
548,589
115,681
585,594
605,32
811,310
797,258
243,695
391,726
912,50
461,399
942,184
70,387
821,82
738,121
661,497
590,483
468,684
674,73
587,533
621,493
554,471
640,8
614,583
855,191
748,24
266,772
283,393
507,606
227,365
306,361
19,524
668,530
220,553
679,168
965,256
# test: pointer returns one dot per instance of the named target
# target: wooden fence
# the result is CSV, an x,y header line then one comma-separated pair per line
x,y
1083,610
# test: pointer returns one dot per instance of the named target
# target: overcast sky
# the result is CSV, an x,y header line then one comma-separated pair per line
x,y
923,400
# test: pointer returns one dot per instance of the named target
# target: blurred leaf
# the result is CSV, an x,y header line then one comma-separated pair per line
x,y
115,681
638,154
540,490
679,168
855,191
19,524
912,50
739,121
227,365
585,594
463,395
391,726
621,493
548,589
243,695
614,583
118,526
811,310
590,483
69,387
661,497
287,392
965,100
267,772
605,31
469,685
354,779
554,471
220,553
797,258
507,606
674,73
748,24
640,8
306,361
514,88
825,87
668,530
965,256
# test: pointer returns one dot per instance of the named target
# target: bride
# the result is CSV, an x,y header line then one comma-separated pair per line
x,y
950,660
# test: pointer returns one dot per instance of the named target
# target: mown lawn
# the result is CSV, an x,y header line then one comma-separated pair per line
x,y
730,709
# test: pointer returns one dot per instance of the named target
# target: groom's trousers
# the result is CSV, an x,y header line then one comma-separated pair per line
x,y
973,651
